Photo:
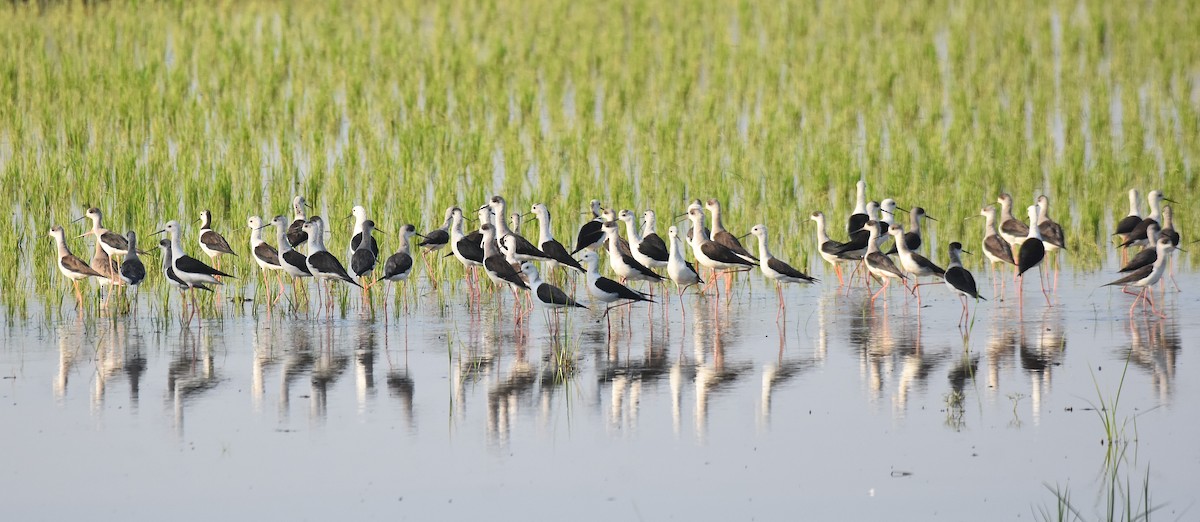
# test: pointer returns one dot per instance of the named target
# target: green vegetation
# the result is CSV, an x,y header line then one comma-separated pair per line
x,y
155,111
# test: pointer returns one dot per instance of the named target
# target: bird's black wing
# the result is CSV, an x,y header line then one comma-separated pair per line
x,y
471,249
133,271
856,222
551,294
1014,227
215,242
1000,248
641,269
589,234
398,264
858,241
325,262
721,254
1172,235
961,279
296,259
1127,224
728,241
624,292
1052,233
77,265
267,253
788,270
362,261
1144,258
504,270
115,240
435,238
1133,277
1031,253
192,265
883,262
912,240
655,248
693,269
1139,232
924,262
525,248
557,252
296,234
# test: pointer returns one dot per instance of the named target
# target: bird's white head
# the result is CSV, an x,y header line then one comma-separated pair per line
x,y
488,231
529,270
1005,200
589,260
298,205
610,228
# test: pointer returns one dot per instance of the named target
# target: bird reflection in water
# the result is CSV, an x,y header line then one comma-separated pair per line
x,y
400,386
888,344
713,373
1040,351
627,375
264,358
118,353
474,360
71,336
328,366
1154,346
776,373
298,360
1001,345
504,398
364,363
962,372
191,373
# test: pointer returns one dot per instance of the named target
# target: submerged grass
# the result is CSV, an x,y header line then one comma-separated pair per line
x,y
156,111
1121,501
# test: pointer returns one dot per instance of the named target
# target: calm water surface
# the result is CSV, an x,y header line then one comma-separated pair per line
x,y
839,411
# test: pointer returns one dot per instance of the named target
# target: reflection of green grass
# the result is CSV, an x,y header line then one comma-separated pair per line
x,y
1120,504
157,112
1115,426
1118,493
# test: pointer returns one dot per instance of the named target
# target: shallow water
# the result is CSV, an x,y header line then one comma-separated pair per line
x,y
842,411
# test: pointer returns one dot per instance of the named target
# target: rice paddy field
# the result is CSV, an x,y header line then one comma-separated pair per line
x,y
694,407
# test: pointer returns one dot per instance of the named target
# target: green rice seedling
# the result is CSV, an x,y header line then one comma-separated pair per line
x,y
404,107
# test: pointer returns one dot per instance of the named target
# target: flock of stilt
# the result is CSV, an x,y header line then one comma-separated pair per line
x,y
508,259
